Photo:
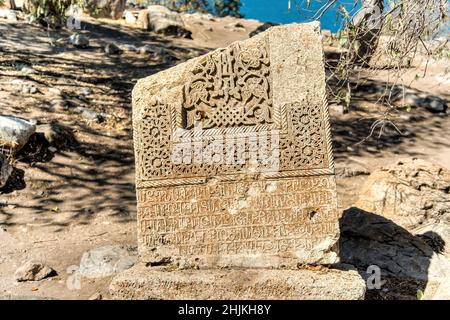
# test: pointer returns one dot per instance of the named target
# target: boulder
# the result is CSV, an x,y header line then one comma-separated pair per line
x,y
33,270
161,20
431,103
79,41
107,260
15,132
8,14
130,17
412,193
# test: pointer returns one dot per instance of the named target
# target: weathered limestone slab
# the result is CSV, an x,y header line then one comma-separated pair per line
x,y
235,177
233,156
140,283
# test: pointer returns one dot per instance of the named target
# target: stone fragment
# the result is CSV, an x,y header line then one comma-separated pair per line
x,y
351,170
108,260
412,193
161,20
15,132
96,296
112,49
129,48
130,17
33,270
92,115
8,14
431,103
79,40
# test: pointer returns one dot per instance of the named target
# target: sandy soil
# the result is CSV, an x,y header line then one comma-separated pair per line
x,y
83,197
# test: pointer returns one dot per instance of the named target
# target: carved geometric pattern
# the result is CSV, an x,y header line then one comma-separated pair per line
x,y
229,88
154,158
230,91
304,146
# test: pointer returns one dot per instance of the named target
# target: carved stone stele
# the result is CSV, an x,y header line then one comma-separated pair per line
x,y
234,165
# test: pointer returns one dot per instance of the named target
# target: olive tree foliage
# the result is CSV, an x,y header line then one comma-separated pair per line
x,y
224,8
220,8
182,5
380,34
49,12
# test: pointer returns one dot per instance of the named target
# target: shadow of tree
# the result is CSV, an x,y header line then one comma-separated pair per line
x,y
369,131
368,239
95,176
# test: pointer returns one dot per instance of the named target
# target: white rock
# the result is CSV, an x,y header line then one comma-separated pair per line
x,y
33,270
130,18
15,132
107,260
79,40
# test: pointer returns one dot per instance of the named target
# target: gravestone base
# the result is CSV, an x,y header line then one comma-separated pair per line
x,y
150,283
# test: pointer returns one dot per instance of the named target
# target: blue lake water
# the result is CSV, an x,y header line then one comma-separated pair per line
x,y
277,11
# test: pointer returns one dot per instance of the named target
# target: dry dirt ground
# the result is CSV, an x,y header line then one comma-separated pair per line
x,y
82,196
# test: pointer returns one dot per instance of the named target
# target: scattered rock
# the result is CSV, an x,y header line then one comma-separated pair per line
x,y
96,296
352,170
33,270
262,28
235,25
85,91
55,91
148,49
337,109
8,14
15,132
28,88
58,105
107,260
411,193
79,40
130,17
129,48
5,170
28,70
431,103
112,49
92,115
160,19
23,86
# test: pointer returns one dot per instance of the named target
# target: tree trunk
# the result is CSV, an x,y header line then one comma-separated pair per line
x,y
368,24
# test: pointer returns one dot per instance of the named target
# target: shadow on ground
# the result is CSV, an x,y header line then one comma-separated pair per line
x,y
368,239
